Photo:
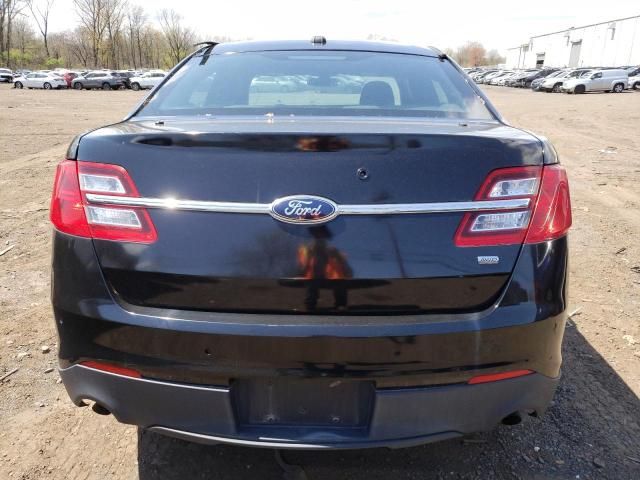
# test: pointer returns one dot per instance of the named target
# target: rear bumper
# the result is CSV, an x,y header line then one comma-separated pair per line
x,y
400,417
418,365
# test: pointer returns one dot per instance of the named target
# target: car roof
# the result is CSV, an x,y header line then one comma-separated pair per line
x,y
349,45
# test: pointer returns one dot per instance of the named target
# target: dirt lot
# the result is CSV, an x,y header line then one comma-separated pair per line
x,y
591,431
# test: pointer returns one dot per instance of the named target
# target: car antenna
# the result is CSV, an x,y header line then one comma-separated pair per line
x,y
205,55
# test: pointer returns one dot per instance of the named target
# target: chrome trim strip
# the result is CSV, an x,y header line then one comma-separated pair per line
x,y
265,208
442,207
172,204
267,443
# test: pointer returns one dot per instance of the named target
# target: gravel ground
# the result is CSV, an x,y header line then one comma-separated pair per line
x,y
591,431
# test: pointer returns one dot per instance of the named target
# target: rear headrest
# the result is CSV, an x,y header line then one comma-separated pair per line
x,y
377,93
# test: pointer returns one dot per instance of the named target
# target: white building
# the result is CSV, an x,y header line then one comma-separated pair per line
x,y
608,44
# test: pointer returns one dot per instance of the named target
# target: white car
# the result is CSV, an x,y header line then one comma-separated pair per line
x,y
6,75
610,80
500,81
147,80
46,80
634,82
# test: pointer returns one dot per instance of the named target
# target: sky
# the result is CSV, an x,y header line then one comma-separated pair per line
x,y
495,23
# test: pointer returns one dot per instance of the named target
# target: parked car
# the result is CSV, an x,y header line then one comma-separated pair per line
x,y
554,84
613,80
68,77
46,80
499,79
479,76
529,77
634,82
6,75
537,83
486,79
126,76
147,80
632,71
276,298
106,80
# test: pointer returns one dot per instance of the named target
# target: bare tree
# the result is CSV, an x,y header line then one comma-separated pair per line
x,y
79,45
22,34
4,13
136,21
115,11
9,10
179,38
471,54
494,58
40,11
110,33
91,14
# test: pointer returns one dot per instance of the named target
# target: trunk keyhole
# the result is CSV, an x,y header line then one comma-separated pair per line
x,y
362,173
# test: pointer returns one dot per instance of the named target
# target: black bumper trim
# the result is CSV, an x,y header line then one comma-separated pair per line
x,y
401,417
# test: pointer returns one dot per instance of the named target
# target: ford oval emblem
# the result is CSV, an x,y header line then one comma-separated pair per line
x,y
304,209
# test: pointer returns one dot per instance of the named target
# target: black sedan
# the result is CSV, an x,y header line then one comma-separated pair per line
x,y
312,266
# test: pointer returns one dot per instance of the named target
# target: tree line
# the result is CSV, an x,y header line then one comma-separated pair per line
x,y
114,34
119,34
473,54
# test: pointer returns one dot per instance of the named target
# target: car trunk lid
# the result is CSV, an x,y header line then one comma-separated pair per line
x,y
353,264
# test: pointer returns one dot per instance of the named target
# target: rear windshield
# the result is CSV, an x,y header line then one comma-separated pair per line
x,y
327,83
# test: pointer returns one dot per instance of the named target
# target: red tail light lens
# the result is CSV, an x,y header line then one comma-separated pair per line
x,y
548,215
72,213
494,377
67,209
111,368
552,213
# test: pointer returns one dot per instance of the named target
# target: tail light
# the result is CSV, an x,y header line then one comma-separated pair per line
x,y
548,215
71,212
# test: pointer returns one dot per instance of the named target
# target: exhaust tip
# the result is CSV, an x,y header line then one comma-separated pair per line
x,y
512,419
100,410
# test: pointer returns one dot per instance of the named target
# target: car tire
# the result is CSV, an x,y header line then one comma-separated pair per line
x,y
135,86
579,89
106,86
636,86
556,88
618,88
46,86
19,85
78,86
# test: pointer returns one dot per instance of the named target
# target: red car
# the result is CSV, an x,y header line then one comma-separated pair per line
x,y
68,77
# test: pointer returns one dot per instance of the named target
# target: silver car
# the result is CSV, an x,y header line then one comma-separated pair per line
x,y
611,80
98,79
